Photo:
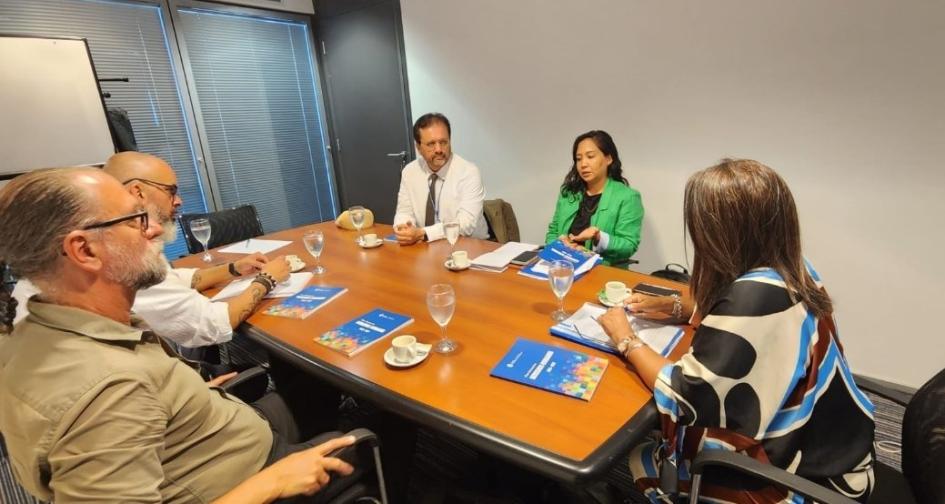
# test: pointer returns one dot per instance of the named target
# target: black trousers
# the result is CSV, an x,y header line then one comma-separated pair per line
x,y
286,440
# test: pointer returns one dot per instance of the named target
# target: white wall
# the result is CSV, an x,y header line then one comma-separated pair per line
x,y
845,99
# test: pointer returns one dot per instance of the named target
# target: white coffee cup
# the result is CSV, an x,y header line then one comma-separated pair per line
x,y
370,239
405,348
460,259
616,292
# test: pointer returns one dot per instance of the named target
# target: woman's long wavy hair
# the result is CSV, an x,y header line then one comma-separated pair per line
x,y
573,183
741,215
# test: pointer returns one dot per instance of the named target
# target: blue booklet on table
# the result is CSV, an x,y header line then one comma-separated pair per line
x,y
547,367
583,261
362,332
305,302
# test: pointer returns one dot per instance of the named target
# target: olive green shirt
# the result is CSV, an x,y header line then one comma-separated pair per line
x,y
97,411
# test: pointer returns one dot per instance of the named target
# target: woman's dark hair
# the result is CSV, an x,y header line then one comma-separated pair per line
x,y
573,183
7,310
7,302
741,215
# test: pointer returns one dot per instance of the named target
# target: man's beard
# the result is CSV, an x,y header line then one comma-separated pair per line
x,y
136,271
170,231
168,223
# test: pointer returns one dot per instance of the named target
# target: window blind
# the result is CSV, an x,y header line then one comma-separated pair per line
x,y
255,83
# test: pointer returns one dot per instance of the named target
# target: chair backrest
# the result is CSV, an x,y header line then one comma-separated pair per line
x,y
923,441
226,226
503,226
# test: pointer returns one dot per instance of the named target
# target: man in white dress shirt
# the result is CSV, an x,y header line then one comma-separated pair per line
x,y
174,308
438,188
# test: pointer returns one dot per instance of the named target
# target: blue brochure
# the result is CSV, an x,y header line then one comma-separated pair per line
x,y
305,302
583,261
551,368
363,331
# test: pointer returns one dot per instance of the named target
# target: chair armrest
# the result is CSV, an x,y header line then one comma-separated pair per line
x,y
765,472
249,385
899,394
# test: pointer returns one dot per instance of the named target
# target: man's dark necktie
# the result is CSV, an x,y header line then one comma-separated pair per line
x,y
431,204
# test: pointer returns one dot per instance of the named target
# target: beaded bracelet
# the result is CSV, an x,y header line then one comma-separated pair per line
x,y
677,306
266,280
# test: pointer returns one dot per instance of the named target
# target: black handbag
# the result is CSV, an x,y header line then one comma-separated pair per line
x,y
680,275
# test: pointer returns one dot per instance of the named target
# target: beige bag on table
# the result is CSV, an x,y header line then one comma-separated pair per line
x,y
344,220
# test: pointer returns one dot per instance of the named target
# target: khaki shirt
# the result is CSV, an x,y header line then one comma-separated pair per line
x,y
95,410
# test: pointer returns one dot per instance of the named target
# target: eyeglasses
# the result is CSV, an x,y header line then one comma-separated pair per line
x,y
142,217
170,188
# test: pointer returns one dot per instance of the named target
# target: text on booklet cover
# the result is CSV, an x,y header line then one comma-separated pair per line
x,y
547,367
305,302
360,333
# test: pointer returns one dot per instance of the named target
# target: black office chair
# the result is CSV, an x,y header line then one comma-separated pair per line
x,y
250,385
923,456
226,226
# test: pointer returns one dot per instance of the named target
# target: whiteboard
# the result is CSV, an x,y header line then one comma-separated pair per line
x,y
51,112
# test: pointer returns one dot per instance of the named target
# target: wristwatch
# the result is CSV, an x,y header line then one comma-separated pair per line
x,y
628,345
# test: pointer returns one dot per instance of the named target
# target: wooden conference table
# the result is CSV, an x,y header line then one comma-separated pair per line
x,y
561,437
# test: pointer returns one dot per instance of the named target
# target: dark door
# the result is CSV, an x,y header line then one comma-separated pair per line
x,y
369,111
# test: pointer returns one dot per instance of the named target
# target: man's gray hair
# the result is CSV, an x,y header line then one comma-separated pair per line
x,y
37,211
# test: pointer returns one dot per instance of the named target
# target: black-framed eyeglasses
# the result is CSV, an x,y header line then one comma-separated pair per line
x,y
170,188
142,217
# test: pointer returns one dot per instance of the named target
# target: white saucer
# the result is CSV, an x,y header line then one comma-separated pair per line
x,y
602,298
389,357
298,266
376,244
449,266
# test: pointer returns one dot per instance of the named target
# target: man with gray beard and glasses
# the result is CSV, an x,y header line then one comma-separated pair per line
x,y
174,308
96,407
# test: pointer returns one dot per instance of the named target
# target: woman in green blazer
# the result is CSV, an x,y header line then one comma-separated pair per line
x,y
597,209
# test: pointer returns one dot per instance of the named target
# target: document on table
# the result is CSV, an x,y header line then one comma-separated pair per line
x,y
582,327
498,260
297,282
254,245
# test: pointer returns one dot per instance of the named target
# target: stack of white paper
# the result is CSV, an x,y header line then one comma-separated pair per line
x,y
254,245
498,260
295,284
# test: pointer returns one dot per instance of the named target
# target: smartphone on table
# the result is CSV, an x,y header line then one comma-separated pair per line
x,y
654,290
524,258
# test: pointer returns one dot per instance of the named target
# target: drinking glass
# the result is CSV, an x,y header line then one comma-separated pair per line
x,y
357,218
560,276
451,230
441,301
315,242
201,230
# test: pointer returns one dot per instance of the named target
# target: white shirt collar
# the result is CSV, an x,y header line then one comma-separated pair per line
x,y
441,174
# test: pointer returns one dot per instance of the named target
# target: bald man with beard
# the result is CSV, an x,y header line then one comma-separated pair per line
x,y
175,308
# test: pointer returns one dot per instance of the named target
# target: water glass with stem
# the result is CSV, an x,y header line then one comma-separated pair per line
x,y
314,242
441,301
451,229
357,219
201,230
560,276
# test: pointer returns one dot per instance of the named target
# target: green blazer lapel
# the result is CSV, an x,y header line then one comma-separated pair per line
x,y
571,205
606,200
